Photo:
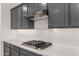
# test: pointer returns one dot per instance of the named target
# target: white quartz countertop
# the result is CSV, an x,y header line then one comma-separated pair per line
x,y
54,50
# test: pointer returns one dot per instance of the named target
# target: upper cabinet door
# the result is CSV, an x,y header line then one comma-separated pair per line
x,y
19,26
58,14
24,20
14,18
74,8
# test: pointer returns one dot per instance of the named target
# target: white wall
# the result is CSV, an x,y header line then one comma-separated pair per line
x,y
5,31
5,22
65,36
0,21
61,36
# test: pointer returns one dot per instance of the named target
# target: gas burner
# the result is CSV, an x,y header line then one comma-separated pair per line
x,y
37,44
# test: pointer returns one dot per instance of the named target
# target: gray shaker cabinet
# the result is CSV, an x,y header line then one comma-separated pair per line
x,y
6,49
58,15
28,53
14,18
74,12
24,20
12,50
18,20
18,17
14,53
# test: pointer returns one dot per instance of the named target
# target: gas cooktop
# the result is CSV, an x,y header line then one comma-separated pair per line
x,y
37,44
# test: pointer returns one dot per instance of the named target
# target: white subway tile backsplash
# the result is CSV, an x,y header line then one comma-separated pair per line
x,y
65,36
